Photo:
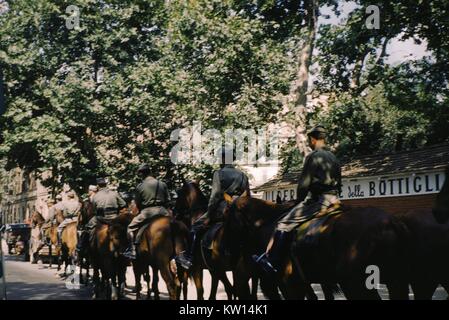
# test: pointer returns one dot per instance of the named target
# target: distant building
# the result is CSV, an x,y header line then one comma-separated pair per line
x,y
21,194
395,181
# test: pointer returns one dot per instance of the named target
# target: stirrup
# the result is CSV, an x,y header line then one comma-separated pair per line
x,y
184,261
264,263
129,254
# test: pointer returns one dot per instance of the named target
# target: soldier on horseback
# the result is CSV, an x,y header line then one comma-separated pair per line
x,y
70,212
84,236
227,179
321,177
105,204
152,199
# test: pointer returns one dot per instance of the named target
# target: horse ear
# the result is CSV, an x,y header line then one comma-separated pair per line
x,y
227,198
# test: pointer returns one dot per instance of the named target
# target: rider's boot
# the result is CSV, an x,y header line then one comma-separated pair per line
x,y
130,252
271,261
185,258
59,238
83,241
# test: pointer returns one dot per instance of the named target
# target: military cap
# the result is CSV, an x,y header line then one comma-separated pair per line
x,y
317,132
144,167
101,181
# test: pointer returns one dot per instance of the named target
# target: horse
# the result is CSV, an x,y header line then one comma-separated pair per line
x,y
105,248
161,240
85,214
69,239
255,229
37,221
348,243
190,205
427,258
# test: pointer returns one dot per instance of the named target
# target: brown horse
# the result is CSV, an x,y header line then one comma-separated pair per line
x,y
427,262
161,240
348,244
37,221
106,246
69,240
190,205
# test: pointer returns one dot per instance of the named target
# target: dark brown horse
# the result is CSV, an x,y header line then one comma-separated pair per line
x,y
190,205
161,240
428,259
105,249
85,214
349,242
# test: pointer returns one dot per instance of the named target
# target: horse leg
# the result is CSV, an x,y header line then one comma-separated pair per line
x,y
254,287
155,283
198,279
213,288
423,290
50,256
96,282
328,290
168,278
147,278
185,284
398,291
228,286
137,275
356,290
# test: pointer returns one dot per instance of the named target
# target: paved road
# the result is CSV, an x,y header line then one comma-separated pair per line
x,y
26,281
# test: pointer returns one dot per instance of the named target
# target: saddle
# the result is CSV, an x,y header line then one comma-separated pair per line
x,y
142,229
106,220
313,225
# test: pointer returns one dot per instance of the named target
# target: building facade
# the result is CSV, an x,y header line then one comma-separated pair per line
x,y
395,182
21,194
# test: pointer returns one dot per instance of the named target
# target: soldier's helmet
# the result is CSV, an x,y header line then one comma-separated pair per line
x,y
144,169
101,181
317,132
127,196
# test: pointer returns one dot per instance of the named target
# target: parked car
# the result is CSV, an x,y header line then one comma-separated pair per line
x,y
17,236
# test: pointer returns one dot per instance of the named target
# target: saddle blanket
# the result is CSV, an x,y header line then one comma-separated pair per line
x,y
315,224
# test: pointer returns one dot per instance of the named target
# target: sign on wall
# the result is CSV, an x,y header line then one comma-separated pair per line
x,y
376,187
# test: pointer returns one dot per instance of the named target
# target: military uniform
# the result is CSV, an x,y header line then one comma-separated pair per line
x,y
152,198
70,212
105,203
318,189
321,176
228,180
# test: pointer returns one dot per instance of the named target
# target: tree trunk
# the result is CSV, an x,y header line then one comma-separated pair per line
x,y
297,98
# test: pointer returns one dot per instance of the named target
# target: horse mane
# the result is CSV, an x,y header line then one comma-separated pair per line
x,y
266,210
201,197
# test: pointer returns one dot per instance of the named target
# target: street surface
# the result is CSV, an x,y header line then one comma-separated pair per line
x,y
27,281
